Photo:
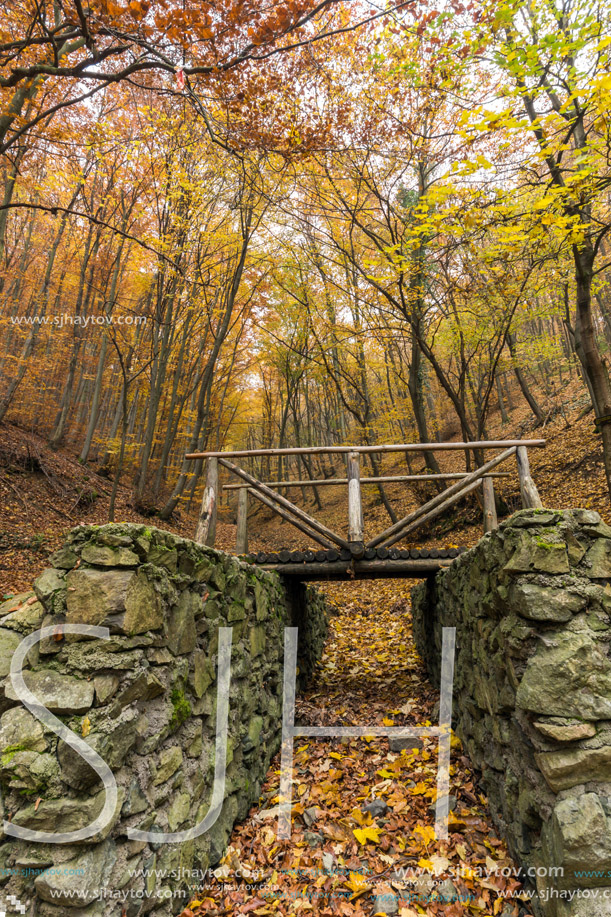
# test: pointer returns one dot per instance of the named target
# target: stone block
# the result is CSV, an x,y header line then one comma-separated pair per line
x,y
182,636
63,694
161,556
9,641
105,687
30,614
581,841
170,760
64,559
538,554
257,641
179,811
598,559
565,730
62,815
93,595
20,731
79,879
143,607
571,676
48,584
542,603
203,673
104,556
566,767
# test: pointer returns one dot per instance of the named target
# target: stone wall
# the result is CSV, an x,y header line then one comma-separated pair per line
x,y
145,700
532,691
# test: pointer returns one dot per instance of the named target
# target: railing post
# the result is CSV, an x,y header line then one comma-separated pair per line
x,y
490,519
206,524
355,506
242,532
530,494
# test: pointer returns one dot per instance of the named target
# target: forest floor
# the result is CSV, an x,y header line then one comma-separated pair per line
x,y
363,840
44,493
341,859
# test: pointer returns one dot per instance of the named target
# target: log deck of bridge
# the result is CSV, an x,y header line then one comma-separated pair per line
x,y
351,557
310,566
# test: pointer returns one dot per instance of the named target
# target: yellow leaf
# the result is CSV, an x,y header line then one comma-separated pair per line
x,y
420,789
427,833
358,885
367,834
360,817
86,727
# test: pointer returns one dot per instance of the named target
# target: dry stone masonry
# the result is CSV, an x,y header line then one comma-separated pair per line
x,y
532,691
145,700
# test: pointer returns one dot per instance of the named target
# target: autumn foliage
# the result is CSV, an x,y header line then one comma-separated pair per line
x,y
253,225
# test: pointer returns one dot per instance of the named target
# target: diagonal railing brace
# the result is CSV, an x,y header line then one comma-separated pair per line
x,y
257,486
438,503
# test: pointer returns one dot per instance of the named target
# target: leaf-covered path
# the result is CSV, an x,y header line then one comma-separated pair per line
x,y
362,836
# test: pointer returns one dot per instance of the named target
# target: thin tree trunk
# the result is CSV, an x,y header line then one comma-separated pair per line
x,y
97,390
528,395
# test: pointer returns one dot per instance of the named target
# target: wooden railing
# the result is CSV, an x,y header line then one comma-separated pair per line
x,y
466,482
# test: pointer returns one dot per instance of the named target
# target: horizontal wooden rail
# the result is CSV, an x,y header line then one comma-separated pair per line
x,y
403,447
391,479
354,546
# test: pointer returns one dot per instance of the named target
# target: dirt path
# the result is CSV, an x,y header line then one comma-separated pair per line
x,y
342,858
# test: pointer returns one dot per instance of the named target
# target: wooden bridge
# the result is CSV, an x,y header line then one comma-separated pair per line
x,y
351,557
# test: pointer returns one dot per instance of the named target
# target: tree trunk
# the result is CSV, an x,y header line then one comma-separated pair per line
x,y
530,398
587,350
502,408
97,390
414,384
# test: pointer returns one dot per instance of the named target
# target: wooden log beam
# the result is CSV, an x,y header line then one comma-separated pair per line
x,y
360,569
395,447
295,511
389,479
432,514
490,518
288,518
355,506
242,526
438,504
205,532
528,489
